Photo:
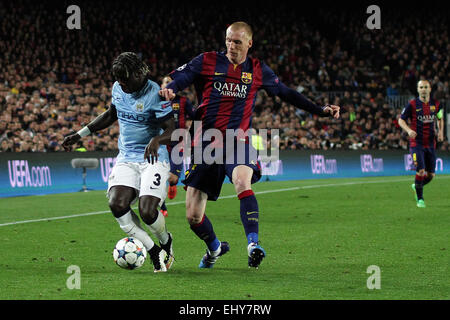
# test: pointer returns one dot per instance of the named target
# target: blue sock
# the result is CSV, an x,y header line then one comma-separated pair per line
x,y
249,215
163,206
204,230
419,186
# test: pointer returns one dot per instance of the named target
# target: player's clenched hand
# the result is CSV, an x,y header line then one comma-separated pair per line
x,y
167,94
70,140
333,110
412,134
441,136
151,151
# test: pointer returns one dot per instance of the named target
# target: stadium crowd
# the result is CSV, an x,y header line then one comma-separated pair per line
x,y
53,81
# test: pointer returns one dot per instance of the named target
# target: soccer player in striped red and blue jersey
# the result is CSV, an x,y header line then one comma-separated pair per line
x,y
183,113
422,113
227,86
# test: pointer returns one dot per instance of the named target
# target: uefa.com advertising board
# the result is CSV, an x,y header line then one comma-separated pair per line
x,y
23,174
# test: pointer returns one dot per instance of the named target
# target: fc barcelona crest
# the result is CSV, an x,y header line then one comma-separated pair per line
x,y
139,107
433,108
246,77
175,106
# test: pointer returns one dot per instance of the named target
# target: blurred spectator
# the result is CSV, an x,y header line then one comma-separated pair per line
x,y
392,90
54,81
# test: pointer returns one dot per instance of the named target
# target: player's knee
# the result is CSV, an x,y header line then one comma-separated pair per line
x,y
195,205
431,175
194,219
192,214
149,215
421,172
241,185
148,209
119,206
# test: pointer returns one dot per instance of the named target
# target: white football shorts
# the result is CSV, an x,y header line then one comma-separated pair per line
x,y
146,178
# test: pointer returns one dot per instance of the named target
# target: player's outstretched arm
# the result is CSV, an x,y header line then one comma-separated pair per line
x,y
182,77
103,121
151,150
297,99
333,110
167,94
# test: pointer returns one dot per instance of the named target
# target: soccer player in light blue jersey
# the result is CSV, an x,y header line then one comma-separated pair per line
x,y
142,168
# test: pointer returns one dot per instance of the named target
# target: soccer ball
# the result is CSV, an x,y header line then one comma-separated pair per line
x,y
129,253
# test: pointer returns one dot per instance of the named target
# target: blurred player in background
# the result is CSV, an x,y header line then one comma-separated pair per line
x,y
183,112
422,113
146,123
226,85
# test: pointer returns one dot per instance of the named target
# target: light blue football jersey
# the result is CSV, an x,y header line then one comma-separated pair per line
x,y
140,115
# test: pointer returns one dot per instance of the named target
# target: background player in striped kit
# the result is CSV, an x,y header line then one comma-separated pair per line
x,y
226,85
183,113
422,113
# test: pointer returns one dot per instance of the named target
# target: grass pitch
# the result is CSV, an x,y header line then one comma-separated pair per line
x,y
320,237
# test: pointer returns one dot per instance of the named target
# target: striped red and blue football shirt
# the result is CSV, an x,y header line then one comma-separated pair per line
x,y
226,92
182,110
422,118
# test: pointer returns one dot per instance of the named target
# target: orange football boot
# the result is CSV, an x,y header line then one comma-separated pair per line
x,y
172,192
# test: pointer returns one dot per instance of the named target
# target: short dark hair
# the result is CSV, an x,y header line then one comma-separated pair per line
x,y
128,63
243,25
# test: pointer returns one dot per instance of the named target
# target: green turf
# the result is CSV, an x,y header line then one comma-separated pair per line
x,y
320,237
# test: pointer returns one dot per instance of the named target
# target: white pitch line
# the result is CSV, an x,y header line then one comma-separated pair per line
x,y
54,218
223,197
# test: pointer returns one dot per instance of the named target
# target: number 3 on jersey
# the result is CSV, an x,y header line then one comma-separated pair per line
x,y
157,180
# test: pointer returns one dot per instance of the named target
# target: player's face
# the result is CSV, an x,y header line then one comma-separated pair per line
x,y
424,88
133,84
165,82
238,43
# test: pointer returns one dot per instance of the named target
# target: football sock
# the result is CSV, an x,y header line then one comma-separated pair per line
x,y
132,229
419,186
204,230
154,251
249,215
163,206
135,218
427,179
158,228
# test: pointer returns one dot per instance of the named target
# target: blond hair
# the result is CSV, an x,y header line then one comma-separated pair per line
x,y
242,25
